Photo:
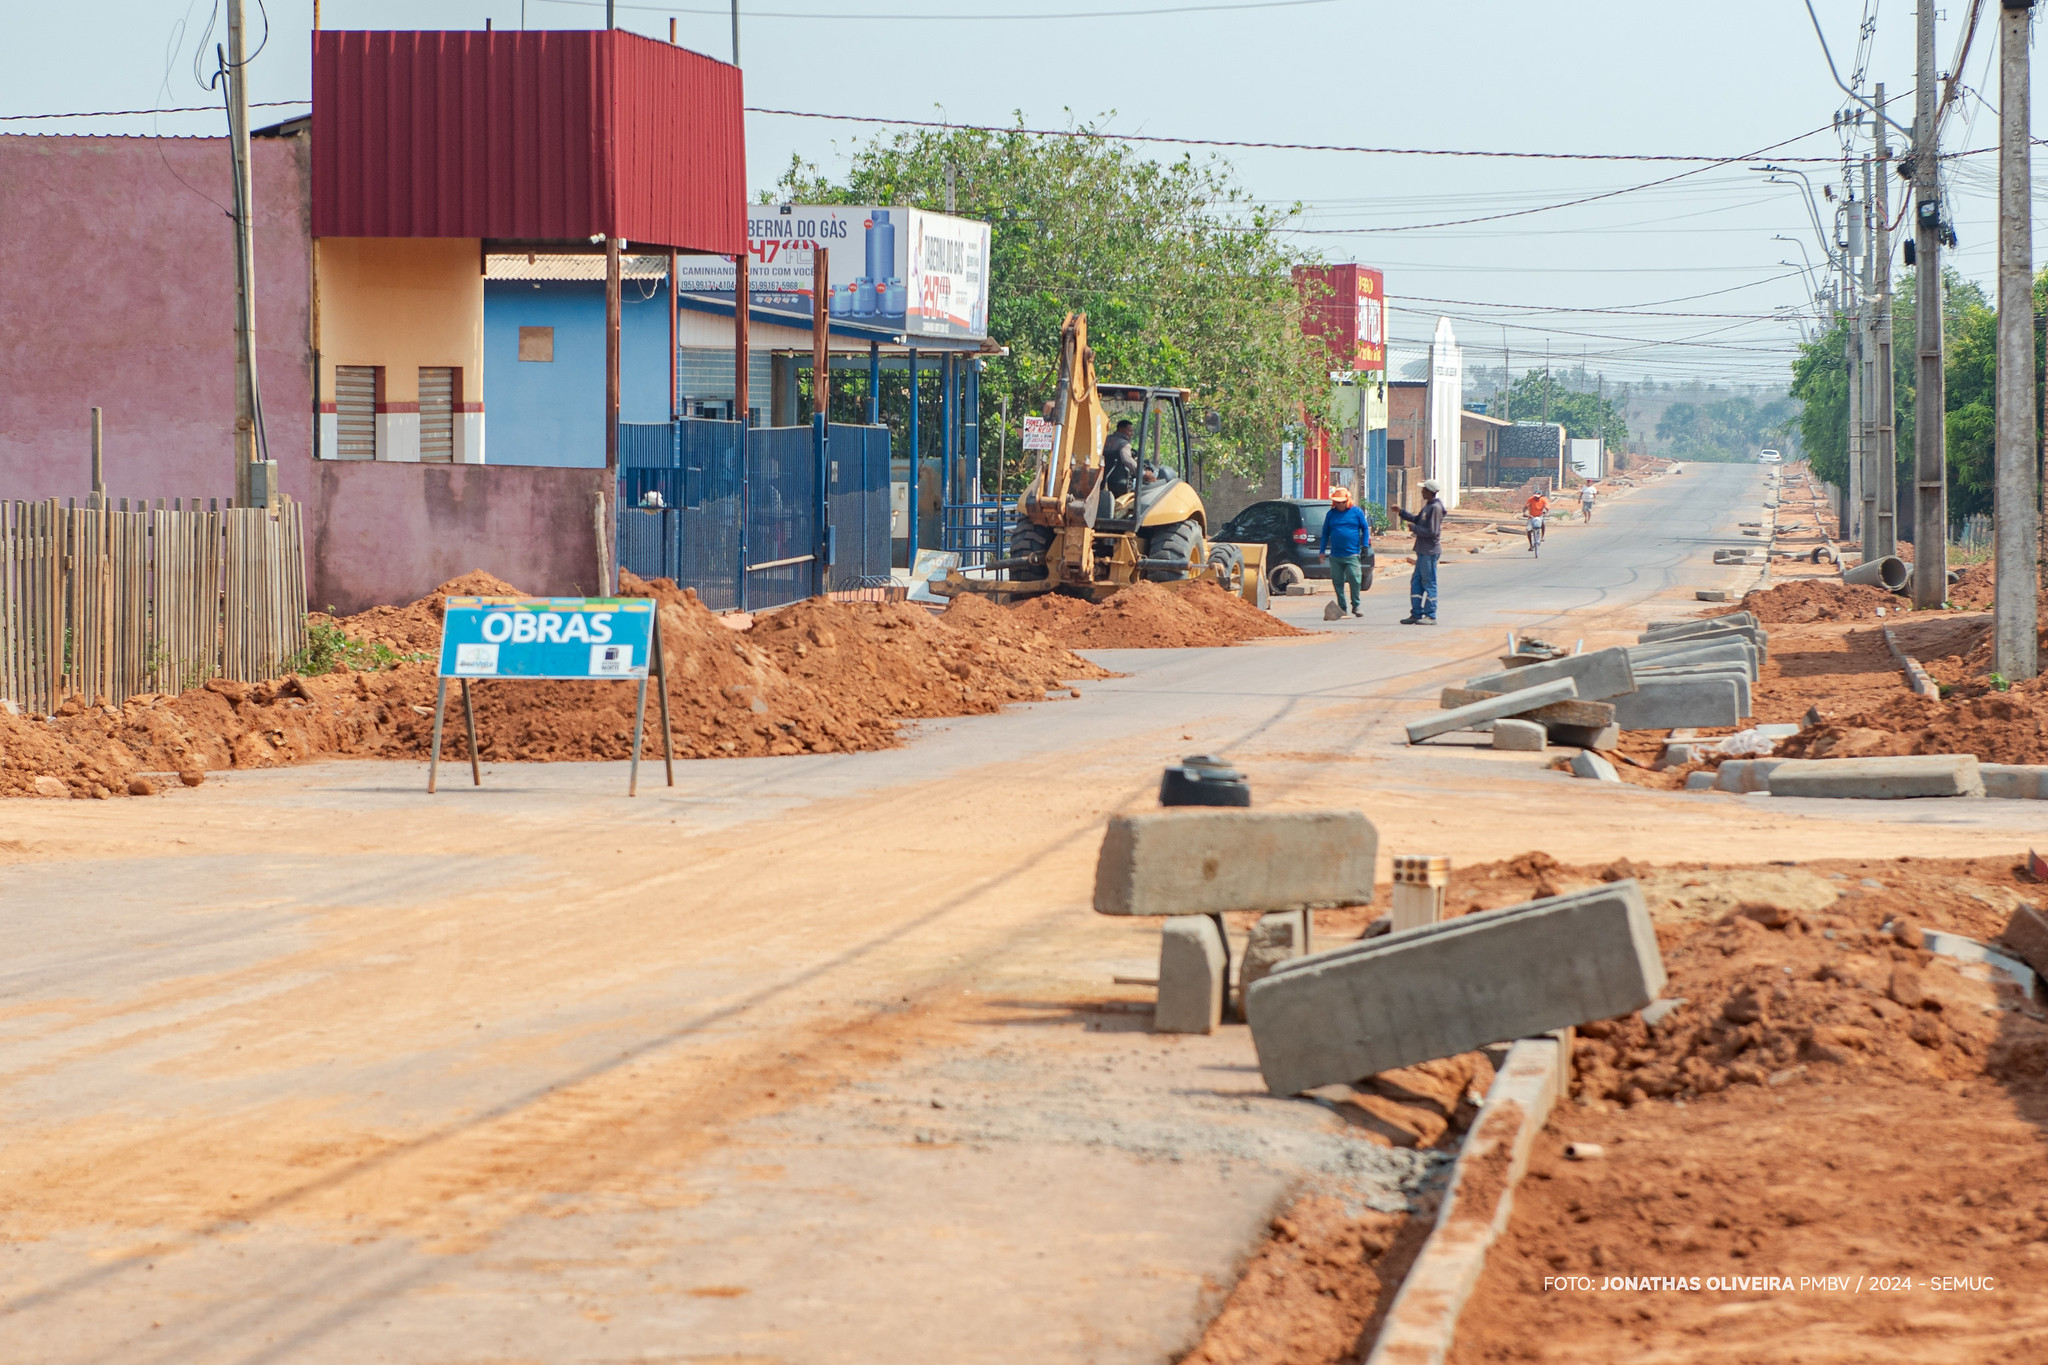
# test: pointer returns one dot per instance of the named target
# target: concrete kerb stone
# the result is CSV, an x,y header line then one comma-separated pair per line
x,y
1667,703
1194,967
1508,703
1598,676
1584,736
1192,861
1590,765
1745,775
1445,988
1423,1319
2026,934
1737,651
1278,936
1879,778
1520,736
2015,781
1964,949
1733,618
1734,673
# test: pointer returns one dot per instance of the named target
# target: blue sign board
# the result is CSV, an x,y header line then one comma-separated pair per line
x,y
602,638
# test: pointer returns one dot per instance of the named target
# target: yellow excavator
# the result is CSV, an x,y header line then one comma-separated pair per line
x,y
1084,530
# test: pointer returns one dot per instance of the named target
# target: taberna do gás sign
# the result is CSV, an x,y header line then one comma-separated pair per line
x,y
598,638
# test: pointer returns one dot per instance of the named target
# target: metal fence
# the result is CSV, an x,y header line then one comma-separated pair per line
x,y
757,518
108,602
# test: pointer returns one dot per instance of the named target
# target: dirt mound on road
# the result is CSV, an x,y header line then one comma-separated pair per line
x,y
1151,616
1827,599
818,677
415,628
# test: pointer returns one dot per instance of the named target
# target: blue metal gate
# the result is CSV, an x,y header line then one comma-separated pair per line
x,y
752,531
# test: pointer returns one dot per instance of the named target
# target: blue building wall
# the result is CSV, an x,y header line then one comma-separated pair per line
x,y
552,413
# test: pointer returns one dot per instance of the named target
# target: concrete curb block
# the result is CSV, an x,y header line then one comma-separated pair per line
x,y
1970,950
1423,1320
1917,678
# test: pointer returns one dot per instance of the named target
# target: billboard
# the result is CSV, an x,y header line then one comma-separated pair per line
x,y
1348,310
920,273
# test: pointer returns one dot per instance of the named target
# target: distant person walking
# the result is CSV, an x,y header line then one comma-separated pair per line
x,y
1537,507
1586,496
1428,525
1346,536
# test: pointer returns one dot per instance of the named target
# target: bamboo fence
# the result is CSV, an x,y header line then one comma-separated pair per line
x,y
105,603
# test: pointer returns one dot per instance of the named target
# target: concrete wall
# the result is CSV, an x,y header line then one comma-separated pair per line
x,y
388,533
401,303
117,288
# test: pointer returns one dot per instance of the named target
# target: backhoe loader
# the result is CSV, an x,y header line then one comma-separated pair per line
x,y
1073,532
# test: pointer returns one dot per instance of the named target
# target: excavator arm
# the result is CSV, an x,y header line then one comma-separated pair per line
x,y
1064,492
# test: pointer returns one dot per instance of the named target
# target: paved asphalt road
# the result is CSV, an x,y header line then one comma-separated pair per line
x,y
815,1059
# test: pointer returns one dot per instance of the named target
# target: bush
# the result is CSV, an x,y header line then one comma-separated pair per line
x,y
327,650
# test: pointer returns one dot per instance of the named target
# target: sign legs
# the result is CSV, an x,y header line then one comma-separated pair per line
x,y
476,775
434,754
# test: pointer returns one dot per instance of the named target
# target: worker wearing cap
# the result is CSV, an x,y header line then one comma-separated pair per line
x,y
1428,524
1346,536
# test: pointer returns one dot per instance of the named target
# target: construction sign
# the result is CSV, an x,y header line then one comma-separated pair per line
x,y
547,637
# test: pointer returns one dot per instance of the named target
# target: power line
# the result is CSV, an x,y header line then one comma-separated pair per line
x,y
953,18
125,113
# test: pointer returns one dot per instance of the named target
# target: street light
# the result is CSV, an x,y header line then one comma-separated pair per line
x,y
1812,281
1827,240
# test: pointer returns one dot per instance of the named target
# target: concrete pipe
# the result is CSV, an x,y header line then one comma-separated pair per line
x,y
1954,576
1883,572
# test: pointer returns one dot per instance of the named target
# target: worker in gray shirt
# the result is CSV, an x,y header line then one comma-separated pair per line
x,y
1428,525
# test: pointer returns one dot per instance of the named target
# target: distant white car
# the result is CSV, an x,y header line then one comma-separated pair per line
x,y
1768,457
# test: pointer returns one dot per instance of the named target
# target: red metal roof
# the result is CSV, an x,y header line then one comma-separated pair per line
x,y
538,136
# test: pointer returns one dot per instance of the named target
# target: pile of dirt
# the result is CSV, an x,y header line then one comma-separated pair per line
x,y
416,627
1973,588
818,677
1827,599
1149,616
1998,727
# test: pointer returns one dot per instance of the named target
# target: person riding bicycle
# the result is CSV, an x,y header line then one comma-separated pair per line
x,y
1536,507
1586,496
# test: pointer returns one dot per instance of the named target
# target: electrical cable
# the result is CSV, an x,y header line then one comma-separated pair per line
x,y
126,113
951,18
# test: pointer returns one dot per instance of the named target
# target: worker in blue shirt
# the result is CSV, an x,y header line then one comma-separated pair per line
x,y
1346,536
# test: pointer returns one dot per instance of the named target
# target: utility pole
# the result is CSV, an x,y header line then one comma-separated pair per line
x,y
735,32
1507,379
2015,616
1930,401
1867,344
1885,461
1852,362
246,438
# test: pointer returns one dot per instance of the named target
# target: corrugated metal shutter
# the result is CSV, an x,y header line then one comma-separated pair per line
x,y
437,414
355,406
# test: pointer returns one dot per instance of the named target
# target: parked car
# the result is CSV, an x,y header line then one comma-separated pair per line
x,y
1289,528
1768,456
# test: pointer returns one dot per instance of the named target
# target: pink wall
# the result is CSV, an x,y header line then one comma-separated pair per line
x,y
117,288
387,533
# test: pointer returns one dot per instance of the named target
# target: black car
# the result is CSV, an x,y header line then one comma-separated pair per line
x,y
1290,529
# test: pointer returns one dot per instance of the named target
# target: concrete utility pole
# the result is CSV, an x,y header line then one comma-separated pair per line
x,y
1930,400
245,258
1852,362
2015,623
1867,344
1885,460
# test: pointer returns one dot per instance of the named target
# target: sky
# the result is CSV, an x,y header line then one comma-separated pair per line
x,y
1685,280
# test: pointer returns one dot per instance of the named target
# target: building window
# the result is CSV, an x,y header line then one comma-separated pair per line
x,y
355,406
537,343
1397,452
437,414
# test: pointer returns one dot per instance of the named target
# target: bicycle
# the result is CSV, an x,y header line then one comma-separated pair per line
x,y
1536,528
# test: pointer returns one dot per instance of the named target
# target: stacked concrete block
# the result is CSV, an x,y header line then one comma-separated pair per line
x,y
1189,860
1745,775
1591,766
1597,676
1667,703
1879,778
1519,736
1278,936
1508,702
1194,967
1585,736
1449,987
2026,935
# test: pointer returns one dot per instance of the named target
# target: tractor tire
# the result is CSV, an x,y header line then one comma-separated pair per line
x,y
1229,563
1029,539
1179,541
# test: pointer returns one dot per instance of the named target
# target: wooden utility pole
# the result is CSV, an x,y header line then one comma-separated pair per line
x,y
1885,460
1930,400
245,256
2015,623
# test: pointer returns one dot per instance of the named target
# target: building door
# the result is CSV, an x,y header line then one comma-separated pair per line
x,y
437,414
355,406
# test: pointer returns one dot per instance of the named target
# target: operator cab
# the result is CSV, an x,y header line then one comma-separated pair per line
x,y
1159,417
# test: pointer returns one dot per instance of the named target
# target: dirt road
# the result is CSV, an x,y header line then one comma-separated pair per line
x,y
810,1059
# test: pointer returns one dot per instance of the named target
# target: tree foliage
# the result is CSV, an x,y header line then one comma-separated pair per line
x,y
1182,276
1536,397
1724,430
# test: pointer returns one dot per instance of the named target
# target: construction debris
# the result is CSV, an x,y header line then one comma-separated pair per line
x,y
1194,967
1192,861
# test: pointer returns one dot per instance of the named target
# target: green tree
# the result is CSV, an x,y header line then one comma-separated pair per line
x,y
1182,276
1726,429
1583,415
